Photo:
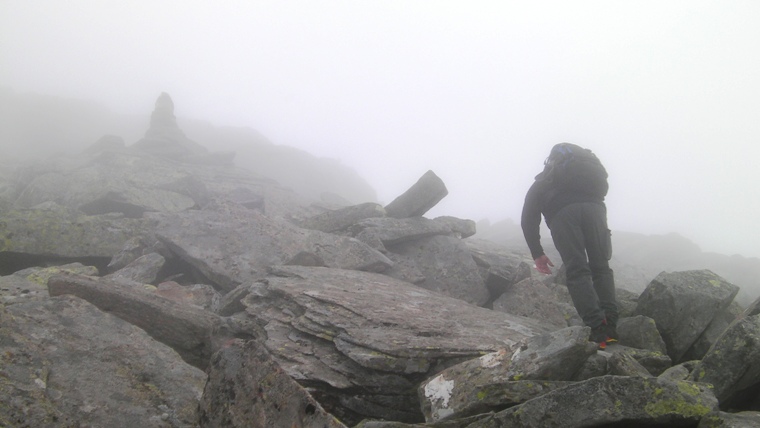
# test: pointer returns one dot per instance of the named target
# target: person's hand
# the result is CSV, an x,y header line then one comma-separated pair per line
x,y
543,263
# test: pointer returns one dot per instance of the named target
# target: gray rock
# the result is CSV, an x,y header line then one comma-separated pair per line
x,y
640,332
231,245
596,365
63,233
132,249
418,199
679,371
531,298
405,269
731,363
459,390
31,283
461,228
623,364
502,267
393,231
143,270
195,334
65,363
619,359
247,388
635,401
683,304
106,142
199,295
342,331
626,301
340,219
448,267
719,324
654,362
720,419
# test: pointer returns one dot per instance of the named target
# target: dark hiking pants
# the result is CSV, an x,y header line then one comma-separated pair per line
x,y
581,236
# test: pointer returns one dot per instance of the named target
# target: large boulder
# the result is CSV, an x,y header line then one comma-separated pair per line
x,y
66,363
731,363
611,400
683,304
506,377
363,341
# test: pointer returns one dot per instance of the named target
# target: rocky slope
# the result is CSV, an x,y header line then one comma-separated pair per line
x,y
158,285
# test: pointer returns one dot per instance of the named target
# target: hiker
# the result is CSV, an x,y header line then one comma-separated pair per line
x,y
570,194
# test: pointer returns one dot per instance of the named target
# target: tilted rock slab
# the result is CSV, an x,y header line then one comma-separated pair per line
x,y
418,199
604,400
731,364
247,388
485,383
683,304
387,231
231,245
65,363
192,332
362,341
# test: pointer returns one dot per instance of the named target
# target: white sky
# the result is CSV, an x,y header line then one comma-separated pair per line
x,y
667,93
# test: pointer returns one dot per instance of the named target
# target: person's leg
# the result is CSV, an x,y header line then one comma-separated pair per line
x,y
568,238
599,249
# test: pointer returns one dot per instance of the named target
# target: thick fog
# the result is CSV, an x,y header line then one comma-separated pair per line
x,y
666,93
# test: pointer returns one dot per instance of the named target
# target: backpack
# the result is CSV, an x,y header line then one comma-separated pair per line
x,y
570,167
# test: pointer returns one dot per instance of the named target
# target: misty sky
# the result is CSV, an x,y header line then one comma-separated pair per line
x,y
667,93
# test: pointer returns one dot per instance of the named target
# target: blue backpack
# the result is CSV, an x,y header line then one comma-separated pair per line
x,y
570,167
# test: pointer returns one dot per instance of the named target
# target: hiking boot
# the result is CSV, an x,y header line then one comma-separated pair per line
x,y
612,334
599,335
611,321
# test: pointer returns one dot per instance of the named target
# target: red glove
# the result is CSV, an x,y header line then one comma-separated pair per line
x,y
543,263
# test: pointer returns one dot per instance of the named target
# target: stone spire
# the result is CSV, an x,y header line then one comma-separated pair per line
x,y
163,114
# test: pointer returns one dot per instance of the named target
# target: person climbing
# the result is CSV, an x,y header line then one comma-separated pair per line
x,y
570,194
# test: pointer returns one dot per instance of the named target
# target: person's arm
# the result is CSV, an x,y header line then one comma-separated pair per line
x,y
531,220
531,224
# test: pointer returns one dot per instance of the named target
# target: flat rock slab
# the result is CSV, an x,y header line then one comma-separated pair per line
x,y
58,231
230,244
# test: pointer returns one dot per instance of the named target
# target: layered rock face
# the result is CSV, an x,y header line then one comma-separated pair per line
x,y
146,287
